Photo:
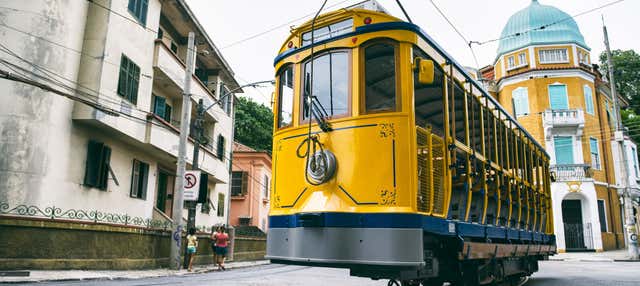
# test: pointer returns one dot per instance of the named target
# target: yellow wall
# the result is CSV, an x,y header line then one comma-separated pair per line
x,y
612,210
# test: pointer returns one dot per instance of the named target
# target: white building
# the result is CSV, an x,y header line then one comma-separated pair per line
x,y
60,157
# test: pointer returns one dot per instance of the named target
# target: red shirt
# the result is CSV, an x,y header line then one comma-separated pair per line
x,y
222,239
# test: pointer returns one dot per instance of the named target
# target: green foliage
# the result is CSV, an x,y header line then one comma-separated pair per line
x,y
631,121
254,124
627,74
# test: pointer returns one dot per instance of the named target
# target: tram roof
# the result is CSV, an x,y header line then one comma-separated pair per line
x,y
398,24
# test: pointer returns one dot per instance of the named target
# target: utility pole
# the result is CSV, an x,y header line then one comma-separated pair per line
x,y
176,234
632,242
198,128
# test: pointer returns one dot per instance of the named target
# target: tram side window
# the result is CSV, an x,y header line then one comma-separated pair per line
x,y
285,97
428,103
380,77
330,84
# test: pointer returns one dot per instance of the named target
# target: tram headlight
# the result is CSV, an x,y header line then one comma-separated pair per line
x,y
321,166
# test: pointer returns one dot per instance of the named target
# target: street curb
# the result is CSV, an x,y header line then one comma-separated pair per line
x,y
198,271
593,260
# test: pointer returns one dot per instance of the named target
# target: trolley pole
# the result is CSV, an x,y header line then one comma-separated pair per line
x,y
630,231
176,233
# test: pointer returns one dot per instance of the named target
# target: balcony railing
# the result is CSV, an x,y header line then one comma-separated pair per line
x,y
566,117
570,172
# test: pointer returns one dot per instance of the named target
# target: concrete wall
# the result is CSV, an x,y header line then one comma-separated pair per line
x,y
59,244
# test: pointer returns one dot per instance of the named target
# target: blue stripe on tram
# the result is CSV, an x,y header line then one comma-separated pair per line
x,y
429,224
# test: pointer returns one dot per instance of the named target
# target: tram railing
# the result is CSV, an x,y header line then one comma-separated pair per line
x,y
570,172
431,172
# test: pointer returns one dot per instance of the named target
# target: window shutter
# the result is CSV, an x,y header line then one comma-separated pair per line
x,y
220,151
122,79
105,161
132,6
564,150
92,167
245,182
204,188
144,176
159,106
135,78
143,11
167,113
588,97
135,175
558,97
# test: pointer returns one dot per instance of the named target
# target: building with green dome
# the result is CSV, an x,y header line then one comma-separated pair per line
x,y
543,73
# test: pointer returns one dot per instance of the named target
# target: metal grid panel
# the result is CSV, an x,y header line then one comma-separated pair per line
x,y
438,165
424,174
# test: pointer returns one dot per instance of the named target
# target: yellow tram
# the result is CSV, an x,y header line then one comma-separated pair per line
x,y
391,160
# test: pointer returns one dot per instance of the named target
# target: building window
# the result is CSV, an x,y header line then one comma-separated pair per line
x,y
552,56
602,215
239,183
558,99
330,84
563,147
266,187
380,77
161,108
635,161
583,58
595,153
174,47
520,101
139,176
511,62
97,166
128,80
225,99
220,148
139,9
522,59
220,209
285,97
588,98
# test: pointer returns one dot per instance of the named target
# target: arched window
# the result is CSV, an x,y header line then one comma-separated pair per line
x,y
520,98
588,98
558,99
380,77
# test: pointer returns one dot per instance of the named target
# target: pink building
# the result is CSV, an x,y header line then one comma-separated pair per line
x,y
250,186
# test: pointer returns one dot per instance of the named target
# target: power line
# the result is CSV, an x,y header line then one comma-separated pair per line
x,y
277,27
546,25
467,42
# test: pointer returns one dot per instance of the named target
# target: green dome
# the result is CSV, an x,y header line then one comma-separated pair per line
x,y
519,33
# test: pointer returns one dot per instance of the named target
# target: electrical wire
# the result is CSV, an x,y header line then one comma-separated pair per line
x,y
276,27
467,42
546,25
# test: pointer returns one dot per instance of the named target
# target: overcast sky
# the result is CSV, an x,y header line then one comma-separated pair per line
x,y
230,22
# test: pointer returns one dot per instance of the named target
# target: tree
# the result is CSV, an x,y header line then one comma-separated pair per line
x,y
627,74
632,122
254,124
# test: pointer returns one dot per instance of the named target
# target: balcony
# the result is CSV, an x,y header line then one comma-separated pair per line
x,y
170,71
570,172
566,117
164,136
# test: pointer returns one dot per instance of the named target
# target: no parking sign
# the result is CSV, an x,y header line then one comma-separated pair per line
x,y
191,185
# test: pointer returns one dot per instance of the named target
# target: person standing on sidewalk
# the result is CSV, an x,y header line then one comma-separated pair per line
x,y
214,248
222,242
192,244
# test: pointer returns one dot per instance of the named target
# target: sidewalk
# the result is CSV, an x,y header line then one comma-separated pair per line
x,y
80,275
605,256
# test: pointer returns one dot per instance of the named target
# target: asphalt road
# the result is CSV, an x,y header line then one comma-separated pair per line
x,y
552,273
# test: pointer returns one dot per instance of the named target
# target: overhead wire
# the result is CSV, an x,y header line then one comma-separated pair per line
x,y
256,35
546,25
467,42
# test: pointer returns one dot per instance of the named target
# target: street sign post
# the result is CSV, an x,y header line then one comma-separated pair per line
x,y
191,185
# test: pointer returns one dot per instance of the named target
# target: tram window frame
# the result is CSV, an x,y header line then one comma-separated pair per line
x,y
363,72
418,89
349,95
280,88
